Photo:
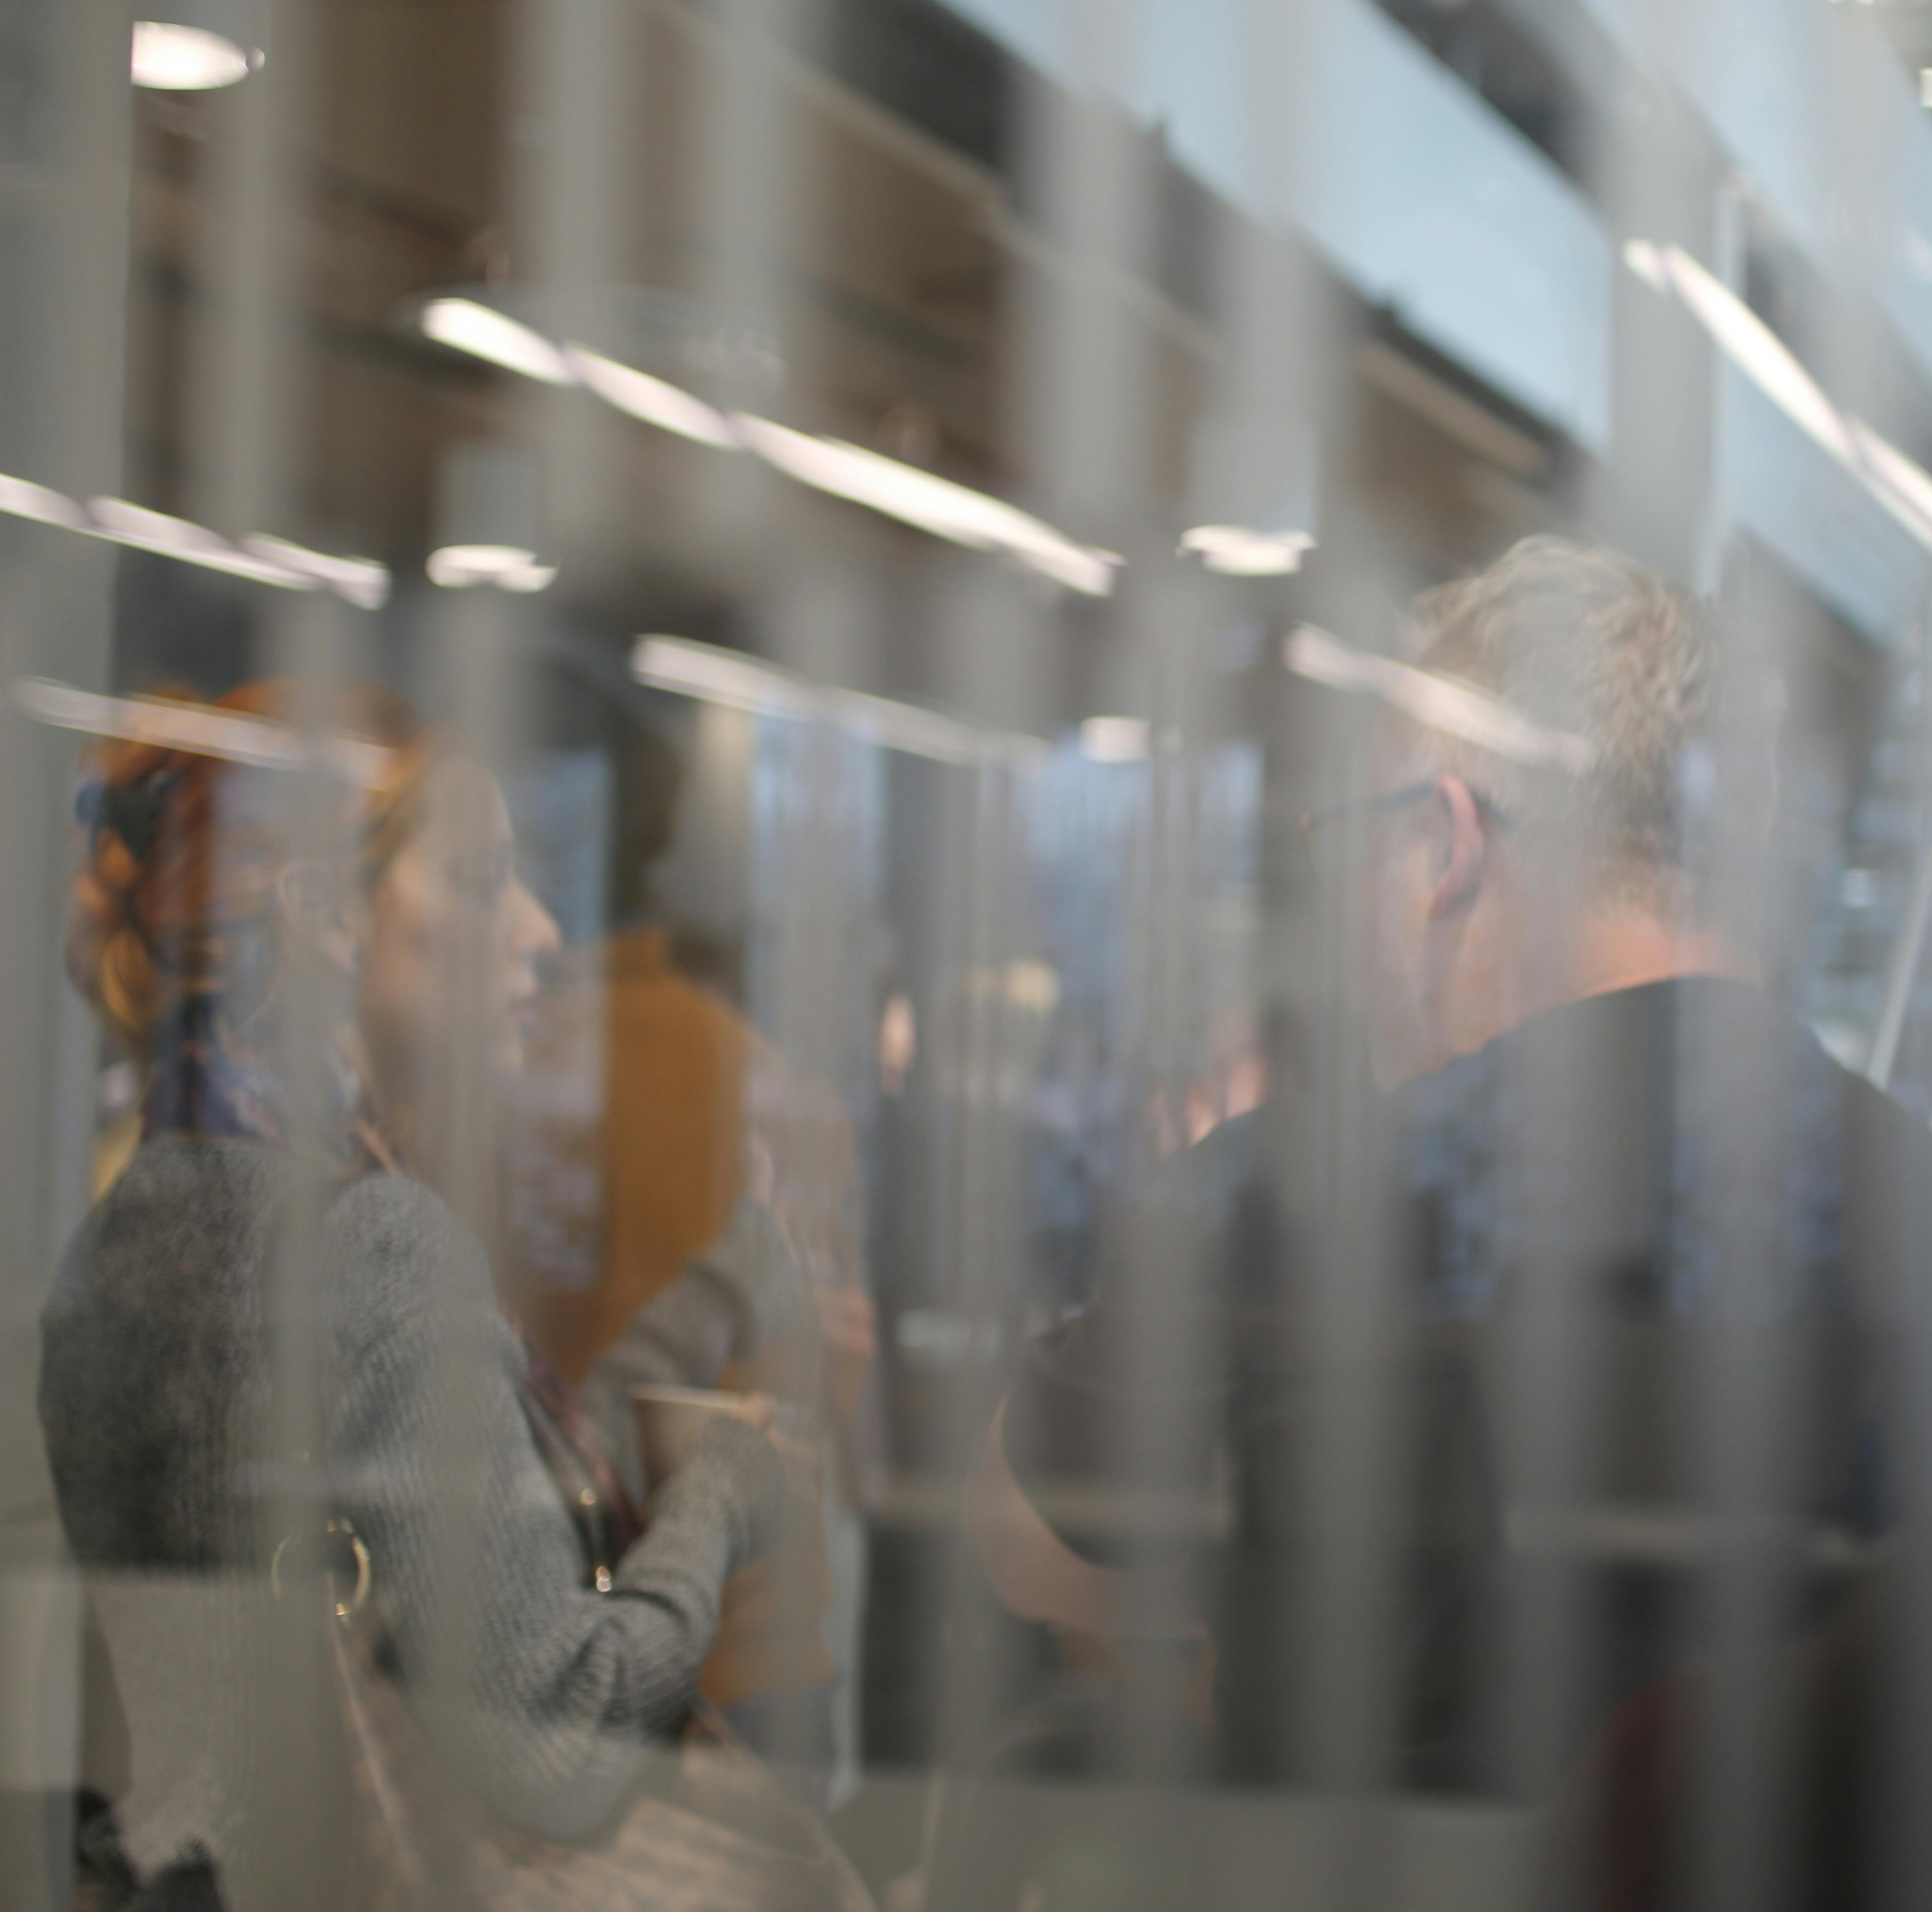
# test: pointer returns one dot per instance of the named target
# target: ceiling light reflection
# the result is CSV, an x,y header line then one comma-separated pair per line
x,y
1901,482
21,498
955,512
1438,703
509,567
264,560
730,677
1114,739
1646,261
463,325
718,676
172,59
652,401
952,511
916,731
1898,483
199,729
1235,551
362,580
143,530
1746,339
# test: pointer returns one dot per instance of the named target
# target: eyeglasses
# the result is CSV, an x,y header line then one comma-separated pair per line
x,y
1317,826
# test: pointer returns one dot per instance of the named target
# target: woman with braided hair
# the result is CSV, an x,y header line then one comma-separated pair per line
x,y
322,966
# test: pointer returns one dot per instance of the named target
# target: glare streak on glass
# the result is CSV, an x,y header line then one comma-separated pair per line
x,y
1346,1353
479,663
818,819
1765,1392
246,374
64,192
1279,397
1550,1426
1752,1416
981,1037
1347,1468
1901,1741
302,1803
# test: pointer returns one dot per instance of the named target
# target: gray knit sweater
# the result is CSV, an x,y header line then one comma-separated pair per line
x,y
154,1394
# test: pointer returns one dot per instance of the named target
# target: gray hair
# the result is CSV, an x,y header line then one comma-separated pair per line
x,y
1677,745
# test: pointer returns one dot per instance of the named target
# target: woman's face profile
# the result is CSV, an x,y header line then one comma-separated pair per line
x,y
451,938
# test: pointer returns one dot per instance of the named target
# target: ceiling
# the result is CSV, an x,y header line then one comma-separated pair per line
x,y
904,278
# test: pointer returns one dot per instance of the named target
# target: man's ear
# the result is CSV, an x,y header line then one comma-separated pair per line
x,y
1461,850
314,910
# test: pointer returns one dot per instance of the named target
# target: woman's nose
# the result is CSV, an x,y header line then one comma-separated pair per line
x,y
534,933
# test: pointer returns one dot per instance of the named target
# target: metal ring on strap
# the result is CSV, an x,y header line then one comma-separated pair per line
x,y
359,1598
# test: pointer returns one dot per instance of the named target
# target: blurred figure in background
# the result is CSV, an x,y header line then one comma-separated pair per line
x,y
627,1152
1613,1187
323,978
683,1210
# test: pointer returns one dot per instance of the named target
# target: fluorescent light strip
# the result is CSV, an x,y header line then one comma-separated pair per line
x,y
360,580
1898,483
928,503
1236,551
1904,485
141,529
262,559
935,505
483,332
509,567
21,498
720,676
916,732
196,728
1438,703
1746,339
652,401
729,678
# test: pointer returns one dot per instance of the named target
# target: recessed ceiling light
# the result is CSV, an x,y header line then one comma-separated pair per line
x,y
509,567
173,59
1114,739
1235,551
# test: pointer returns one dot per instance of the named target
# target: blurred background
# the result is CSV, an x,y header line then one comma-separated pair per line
x,y
856,466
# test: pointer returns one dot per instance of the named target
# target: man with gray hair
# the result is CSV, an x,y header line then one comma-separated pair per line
x,y
1555,1390
1613,837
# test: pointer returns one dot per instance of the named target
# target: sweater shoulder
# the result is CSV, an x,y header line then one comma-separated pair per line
x,y
384,1220
178,1202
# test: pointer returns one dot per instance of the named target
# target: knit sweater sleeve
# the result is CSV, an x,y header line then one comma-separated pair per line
x,y
546,1696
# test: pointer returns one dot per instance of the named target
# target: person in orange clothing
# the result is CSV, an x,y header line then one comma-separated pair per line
x,y
679,1207
629,1157
625,1154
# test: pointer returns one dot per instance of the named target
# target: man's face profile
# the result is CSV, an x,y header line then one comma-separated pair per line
x,y
1394,884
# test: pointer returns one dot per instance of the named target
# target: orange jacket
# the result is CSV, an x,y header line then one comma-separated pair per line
x,y
629,1145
